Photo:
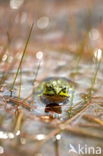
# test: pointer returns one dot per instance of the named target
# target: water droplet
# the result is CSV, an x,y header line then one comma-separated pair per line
x,y
16,4
98,54
43,22
40,137
39,55
58,136
1,150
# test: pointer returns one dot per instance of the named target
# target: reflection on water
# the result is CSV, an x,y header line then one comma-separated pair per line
x,y
53,107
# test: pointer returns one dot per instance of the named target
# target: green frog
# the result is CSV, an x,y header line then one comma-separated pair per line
x,y
55,90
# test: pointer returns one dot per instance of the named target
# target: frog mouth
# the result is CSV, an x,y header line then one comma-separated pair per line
x,y
56,98
52,95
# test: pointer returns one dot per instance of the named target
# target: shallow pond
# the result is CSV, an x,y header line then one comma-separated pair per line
x,y
30,127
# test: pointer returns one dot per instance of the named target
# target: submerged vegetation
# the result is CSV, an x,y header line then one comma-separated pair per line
x,y
50,81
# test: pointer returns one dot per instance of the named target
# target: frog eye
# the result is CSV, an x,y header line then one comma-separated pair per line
x,y
49,88
64,90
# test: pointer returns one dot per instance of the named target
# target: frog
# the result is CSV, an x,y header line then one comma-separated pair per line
x,y
55,90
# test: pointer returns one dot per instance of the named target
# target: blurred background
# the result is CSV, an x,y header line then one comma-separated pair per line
x,y
66,41
57,23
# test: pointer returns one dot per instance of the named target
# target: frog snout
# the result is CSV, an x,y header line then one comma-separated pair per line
x,y
58,91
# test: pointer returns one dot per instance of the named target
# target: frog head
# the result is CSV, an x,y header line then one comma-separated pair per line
x,y
56,90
